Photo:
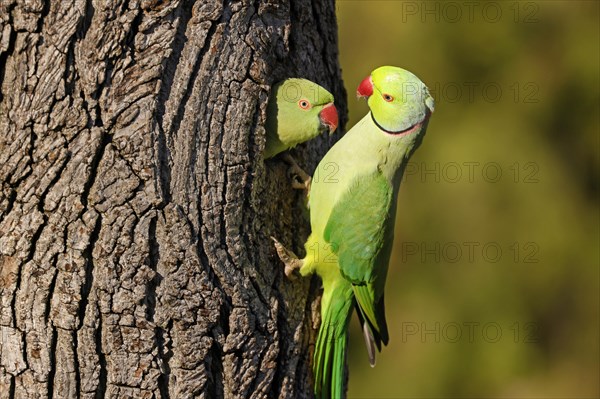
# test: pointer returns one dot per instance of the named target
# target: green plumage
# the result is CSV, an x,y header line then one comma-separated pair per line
x,y
294,114
357,232
331,342
352,218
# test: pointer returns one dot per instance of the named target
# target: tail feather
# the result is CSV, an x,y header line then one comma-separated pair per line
x,y
372,313
371,340
321,361
339,367
370,343
330,350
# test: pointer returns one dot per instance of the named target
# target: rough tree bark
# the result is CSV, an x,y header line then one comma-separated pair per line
x,y
135,207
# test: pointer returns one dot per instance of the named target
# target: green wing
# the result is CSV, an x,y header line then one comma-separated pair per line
x,y
360,231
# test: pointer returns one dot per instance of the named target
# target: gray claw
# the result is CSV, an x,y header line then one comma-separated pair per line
x,y
289,259
300,179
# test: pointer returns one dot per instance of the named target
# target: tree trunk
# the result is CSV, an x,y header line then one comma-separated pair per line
x,y
135,206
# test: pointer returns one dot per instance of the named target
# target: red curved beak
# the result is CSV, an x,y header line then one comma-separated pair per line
x,y
365,88
329,117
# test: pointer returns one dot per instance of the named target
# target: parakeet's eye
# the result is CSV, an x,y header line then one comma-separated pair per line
x,y
304,104
388,98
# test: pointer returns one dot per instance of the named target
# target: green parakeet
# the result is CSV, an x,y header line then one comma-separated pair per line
x,y
352,213
298,111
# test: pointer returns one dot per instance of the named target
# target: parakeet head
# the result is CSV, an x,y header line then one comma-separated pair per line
x,y
307,107
400,103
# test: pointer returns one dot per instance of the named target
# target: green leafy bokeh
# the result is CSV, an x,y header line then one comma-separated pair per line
x,y
493,288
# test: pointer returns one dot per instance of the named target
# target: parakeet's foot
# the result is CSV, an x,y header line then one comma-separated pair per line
x,y
289,259
300,179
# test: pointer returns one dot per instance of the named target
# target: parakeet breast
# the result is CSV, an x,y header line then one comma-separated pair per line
x,y
363,150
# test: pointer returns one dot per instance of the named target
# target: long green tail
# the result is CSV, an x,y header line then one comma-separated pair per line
x,y
330,350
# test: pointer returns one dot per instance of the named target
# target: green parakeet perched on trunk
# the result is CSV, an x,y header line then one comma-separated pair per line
x,y
298,111
352,213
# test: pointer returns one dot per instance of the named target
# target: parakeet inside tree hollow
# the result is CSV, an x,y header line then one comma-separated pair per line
x,y
352,214
298,111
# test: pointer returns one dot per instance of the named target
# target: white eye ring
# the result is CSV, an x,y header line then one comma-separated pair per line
x,y
304,104
388,98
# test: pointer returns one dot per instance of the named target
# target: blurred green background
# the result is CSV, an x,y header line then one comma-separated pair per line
x,y
493,290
